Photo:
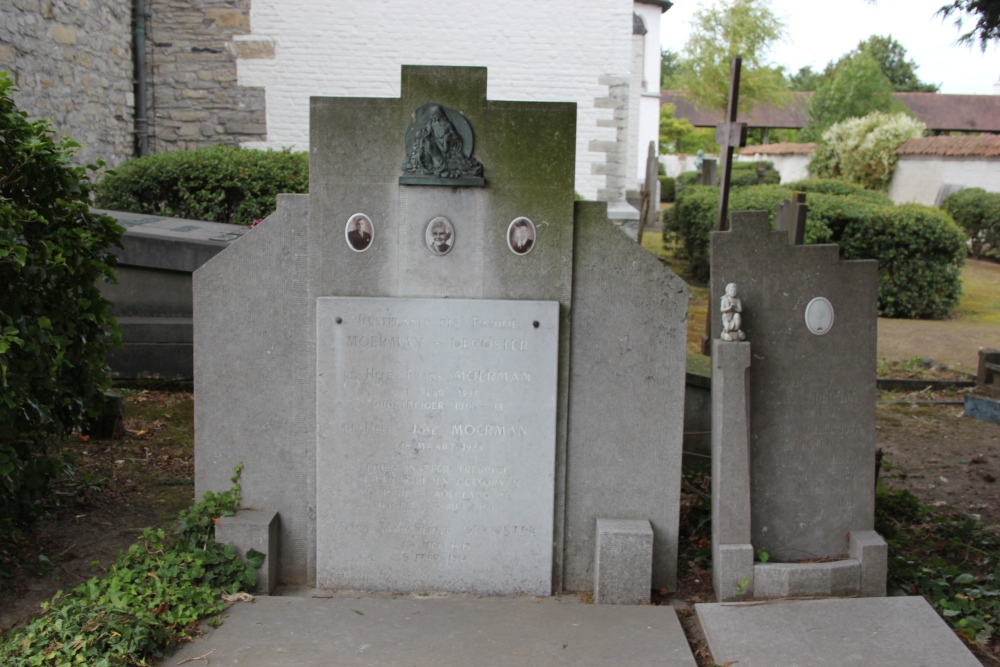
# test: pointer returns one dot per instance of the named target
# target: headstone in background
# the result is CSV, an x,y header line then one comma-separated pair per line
x,y
810,319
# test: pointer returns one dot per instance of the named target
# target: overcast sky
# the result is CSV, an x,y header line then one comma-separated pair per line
x,y
823,31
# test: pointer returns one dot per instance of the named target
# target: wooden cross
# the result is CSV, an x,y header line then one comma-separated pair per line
x,y
728,134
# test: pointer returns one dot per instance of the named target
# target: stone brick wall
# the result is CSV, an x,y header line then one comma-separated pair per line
x,y
72,62
194,99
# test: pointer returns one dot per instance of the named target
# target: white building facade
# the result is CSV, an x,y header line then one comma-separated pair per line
x,y
583,51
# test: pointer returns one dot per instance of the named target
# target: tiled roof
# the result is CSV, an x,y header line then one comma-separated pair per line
x,y
945,113
980,146
780,148
965,113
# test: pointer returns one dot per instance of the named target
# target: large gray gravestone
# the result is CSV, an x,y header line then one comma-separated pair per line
x,y
436,443
385,230
810,320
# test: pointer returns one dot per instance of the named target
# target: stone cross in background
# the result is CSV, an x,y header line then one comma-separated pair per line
x,y
791,218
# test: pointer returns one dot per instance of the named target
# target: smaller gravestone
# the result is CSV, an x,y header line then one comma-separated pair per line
x,y
623,562
810,320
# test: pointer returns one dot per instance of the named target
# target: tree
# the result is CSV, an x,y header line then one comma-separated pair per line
x,y
856,88
669,65
725,29
805,80
55,327
891,57
987,28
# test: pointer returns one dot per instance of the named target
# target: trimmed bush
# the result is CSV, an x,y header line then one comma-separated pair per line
x,y
695,212
218,184
55,327
920,252
978,213
667,191
836,186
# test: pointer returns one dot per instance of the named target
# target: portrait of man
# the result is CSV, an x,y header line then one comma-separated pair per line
x,y
521,236
440,236
359,232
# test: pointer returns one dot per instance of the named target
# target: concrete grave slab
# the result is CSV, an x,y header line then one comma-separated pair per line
x,y
451,631
888,632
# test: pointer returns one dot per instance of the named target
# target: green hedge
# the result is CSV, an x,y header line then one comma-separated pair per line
x,y
920,250
978,213
219,184
835,186
667,189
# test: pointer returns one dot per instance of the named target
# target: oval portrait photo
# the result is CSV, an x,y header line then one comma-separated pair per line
x,y
440,235
359,232
521,236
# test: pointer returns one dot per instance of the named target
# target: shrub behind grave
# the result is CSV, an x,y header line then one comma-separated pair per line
x,y
920,250
219,184
55,327
978,213
667,191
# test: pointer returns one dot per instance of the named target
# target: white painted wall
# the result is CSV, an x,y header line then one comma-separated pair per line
x,y
676,164
918,177
538,51
790,167
648,127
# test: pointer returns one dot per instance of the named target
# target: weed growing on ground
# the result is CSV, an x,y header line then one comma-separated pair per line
x,y
150,599
951,560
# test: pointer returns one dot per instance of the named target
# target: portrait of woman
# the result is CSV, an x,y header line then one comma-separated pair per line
x,y
440,235
521,236
359,232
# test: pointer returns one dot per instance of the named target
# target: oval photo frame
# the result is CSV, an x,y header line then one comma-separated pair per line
x,y
359,232
819,316
439,235
521,234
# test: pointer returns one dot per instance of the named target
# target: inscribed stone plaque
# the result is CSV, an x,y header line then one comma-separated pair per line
x,y
435,444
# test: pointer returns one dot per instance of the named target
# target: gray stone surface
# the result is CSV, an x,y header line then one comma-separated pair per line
x,y
255,320
812,397
795,580
888,632
732,553
436,444
868,548
152,299
255,381
174,244
454,631
257,530
528,153
626,395
623,562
